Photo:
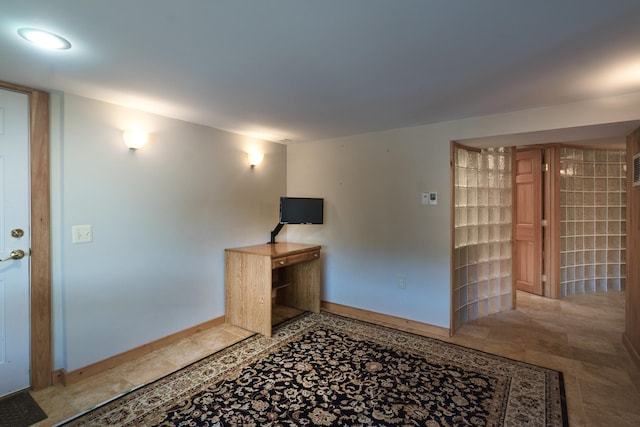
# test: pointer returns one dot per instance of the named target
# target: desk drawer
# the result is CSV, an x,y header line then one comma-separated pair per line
x,y
278,262
294,259
306,256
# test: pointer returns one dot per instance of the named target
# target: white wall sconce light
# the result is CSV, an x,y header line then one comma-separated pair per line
x,y
134,138
255,158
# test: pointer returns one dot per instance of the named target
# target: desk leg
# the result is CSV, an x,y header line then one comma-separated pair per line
x,y
248,292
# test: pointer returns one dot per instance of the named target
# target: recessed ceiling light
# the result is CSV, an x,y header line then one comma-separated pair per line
x,y
44,39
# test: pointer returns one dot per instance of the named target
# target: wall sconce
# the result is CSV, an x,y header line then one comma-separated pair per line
x,y
255,158
134,138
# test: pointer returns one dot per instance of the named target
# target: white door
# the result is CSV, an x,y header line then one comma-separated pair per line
x,y
14,242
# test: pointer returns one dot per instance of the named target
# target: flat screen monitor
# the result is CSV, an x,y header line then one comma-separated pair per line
x,y
298,210
301,210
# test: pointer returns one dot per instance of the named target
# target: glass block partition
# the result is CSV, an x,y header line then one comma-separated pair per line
x,y
592,220
482,233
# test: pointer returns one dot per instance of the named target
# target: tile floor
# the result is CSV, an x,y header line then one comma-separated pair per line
x,y
579,335
60,402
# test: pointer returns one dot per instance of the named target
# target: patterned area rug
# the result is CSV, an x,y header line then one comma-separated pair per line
x,y
322,369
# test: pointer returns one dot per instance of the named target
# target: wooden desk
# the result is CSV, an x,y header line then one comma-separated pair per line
x,y
257,276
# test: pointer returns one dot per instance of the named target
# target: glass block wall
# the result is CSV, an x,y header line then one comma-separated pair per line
x,y
592,220
482,233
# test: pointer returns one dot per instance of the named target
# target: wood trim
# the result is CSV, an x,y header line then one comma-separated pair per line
x,y
632,351
452,237
41,342
57,377
466,147
547,200
552,230
564,144
594,147
514,215
402,324
632,285
79,374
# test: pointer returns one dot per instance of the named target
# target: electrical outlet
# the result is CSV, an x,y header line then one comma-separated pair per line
x,y
401,281
81,234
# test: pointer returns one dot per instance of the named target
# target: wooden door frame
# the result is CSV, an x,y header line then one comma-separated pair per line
x,y
631,334
551,237
40,298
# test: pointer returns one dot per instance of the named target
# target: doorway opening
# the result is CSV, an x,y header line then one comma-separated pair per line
x,y
574,228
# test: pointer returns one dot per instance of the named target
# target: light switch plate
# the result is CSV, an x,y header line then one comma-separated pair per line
x,y
425,198
433,198
81,234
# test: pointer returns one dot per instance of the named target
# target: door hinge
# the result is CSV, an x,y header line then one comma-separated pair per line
x,y
545,167
544,278
544,223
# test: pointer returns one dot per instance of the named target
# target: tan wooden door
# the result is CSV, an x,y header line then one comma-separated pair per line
x,y
528,222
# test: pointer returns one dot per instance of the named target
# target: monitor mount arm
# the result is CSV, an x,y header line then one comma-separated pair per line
x,y
275,232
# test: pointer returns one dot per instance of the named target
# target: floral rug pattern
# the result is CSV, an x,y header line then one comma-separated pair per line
x,y
322,369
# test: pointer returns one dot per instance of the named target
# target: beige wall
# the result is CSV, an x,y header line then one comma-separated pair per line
x,y
161,219
375,226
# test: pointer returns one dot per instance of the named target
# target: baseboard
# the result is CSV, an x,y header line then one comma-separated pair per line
x,y
400,323
67,378
57,377
632,351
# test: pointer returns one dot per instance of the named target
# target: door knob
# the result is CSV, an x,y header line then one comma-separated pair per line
x,y
15,254
17,233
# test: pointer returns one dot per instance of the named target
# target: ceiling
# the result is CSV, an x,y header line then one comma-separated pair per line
x,y
292,70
